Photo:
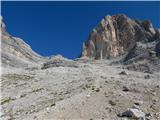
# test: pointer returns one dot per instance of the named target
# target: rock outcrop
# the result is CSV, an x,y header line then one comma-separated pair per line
x,y
15,52
134,43
118,35
59,61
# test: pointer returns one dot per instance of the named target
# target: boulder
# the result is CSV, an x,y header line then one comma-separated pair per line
x,y
134,113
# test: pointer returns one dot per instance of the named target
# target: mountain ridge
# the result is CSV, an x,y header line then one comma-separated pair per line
x,y
116,36
121,83
14,50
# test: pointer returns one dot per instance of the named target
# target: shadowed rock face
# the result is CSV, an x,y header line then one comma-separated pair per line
x,y
117,35
15,52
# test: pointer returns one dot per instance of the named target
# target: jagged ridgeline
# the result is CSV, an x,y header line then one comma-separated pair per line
x,y
15,52
117,36
97,85
130,40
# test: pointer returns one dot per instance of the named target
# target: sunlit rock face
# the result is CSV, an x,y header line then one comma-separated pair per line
x,y
15,52
117,35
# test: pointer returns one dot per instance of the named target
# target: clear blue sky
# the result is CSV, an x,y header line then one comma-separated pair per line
x,y
61,27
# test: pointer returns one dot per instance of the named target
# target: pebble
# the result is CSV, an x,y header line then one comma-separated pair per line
x,y
123,73
125,88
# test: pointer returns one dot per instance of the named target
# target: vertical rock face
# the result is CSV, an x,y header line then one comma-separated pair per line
x,y
117,35
15,52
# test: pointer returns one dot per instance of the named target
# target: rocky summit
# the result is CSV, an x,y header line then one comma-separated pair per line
x,y
133,40
115,78
118,35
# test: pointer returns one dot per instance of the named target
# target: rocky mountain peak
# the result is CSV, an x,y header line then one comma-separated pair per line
x,y
15,52
116,35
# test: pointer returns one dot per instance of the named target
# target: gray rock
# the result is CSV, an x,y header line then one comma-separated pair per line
x,y
126,89
123,73
138,103
59,61
134,113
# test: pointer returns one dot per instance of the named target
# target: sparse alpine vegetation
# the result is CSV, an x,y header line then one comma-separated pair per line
x,y
17,77
115,78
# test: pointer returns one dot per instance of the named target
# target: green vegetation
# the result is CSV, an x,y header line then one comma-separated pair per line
x,y
17,77
38,89
5,100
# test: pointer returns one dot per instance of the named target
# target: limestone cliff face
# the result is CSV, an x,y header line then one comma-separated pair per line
x,y
114,36
117,35
15,52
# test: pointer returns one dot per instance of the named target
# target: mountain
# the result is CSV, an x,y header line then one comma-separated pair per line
x,y
116,78
120,36
116,35
15,52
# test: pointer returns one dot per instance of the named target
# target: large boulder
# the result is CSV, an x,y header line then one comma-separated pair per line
x,y
134,114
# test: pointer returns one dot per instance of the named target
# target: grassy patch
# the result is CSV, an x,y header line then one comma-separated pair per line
x,y
37,90
17,77
113,103
5,100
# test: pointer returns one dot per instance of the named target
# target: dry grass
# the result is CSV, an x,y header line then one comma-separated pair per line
x,y
17,77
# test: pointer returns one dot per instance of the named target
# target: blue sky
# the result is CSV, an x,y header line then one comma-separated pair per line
x,y
52,28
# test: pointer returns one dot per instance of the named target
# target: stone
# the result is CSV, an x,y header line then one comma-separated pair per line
x,y
48,109
123,73
152,53
59,61
125,89
147,76
157,86
136,106
148,115
111,102
97,90
154,100
88,95
53,104
134,113
138,103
